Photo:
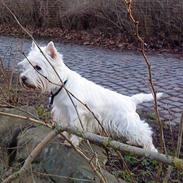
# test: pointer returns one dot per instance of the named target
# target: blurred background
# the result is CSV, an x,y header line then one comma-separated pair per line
x,y
161,21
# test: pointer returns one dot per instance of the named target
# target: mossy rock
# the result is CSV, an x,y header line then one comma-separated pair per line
x,y
61,161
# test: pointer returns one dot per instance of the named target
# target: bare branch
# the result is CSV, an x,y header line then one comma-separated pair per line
x,y
26,118
32,156
90,162
180,135
153,90
108,142
179,144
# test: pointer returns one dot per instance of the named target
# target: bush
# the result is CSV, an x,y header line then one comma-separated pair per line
x,y
158,18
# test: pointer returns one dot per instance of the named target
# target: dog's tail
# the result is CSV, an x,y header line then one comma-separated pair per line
x,y
142,97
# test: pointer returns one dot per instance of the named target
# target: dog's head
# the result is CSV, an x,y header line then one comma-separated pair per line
x,y
41,68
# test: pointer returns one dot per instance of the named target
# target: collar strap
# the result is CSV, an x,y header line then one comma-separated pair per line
x,y
53,95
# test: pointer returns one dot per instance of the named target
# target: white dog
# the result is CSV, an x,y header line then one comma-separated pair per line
x,y
116,112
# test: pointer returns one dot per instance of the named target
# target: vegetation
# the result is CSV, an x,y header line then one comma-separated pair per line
x,y
161,21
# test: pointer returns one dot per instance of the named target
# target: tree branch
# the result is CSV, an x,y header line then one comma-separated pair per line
x,y
153,90
31,157
108,142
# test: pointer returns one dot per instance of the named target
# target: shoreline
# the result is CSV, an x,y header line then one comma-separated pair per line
x,y
90,38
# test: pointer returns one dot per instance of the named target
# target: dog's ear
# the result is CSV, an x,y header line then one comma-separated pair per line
x,y
51,50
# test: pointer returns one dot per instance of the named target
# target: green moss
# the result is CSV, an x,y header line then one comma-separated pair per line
x,y
42,112
181,173
124,174
178,163
131,159
107,142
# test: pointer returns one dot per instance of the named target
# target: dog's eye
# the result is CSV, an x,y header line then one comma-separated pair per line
x,y
37,67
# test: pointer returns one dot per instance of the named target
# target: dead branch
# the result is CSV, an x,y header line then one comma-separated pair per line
x,y
180,135
26,118
96,170
177,153
32,156
153,90
108,142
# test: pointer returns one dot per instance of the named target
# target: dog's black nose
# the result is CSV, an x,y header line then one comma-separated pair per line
x,y
23,78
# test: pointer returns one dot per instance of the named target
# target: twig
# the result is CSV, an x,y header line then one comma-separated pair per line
x,y
47,125
180,135
107,142
31,157
2,68
26,118
177,153
62,177
20,109
153,90
96,171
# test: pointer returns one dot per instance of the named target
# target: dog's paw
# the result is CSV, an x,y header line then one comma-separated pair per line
x,y
153,149
66,143
131,142
150,148
75,140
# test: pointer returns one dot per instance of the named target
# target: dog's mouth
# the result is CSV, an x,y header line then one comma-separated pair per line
x,y
27,85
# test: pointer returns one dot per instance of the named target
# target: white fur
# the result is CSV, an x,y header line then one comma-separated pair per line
x,y
116,112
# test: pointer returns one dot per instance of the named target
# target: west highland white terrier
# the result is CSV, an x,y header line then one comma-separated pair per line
x,y
116,112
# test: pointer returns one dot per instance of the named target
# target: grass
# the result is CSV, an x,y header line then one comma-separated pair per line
x,y
43,113
143,170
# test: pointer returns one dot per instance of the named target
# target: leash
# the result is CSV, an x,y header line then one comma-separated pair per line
x,y
53,95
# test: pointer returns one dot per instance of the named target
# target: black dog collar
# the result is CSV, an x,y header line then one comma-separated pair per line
x,y
53,95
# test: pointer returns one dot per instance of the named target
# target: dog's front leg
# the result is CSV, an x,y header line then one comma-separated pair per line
x,y
75,140
66,136
70,138
76,123
72,120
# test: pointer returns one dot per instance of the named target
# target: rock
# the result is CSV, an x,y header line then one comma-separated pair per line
x,y
56,163
9,127
9,124
61,161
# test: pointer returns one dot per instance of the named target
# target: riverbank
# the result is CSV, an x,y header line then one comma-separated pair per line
x,y
92,38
